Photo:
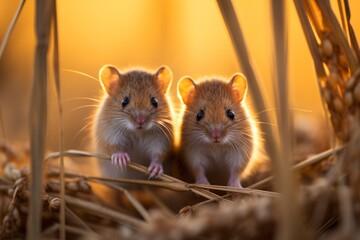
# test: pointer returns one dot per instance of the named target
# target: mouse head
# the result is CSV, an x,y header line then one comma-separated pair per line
x,y
214,113
136,99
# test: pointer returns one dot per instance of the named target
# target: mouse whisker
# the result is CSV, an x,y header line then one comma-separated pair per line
x,y
84,106
165,131
81,98
82,129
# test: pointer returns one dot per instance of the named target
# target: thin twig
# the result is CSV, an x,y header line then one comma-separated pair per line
x,y
104,212
4,188
4,180
205,202
137,167
306,163
70,229
11,27
79,220
137,205
159,203
50,230
2,49
237,190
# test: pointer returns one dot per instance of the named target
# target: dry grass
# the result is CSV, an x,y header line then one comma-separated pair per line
x,y
61,203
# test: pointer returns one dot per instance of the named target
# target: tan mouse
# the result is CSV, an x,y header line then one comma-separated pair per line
x,y
216,135
133,121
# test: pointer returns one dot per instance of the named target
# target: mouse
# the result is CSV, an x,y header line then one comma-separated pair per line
x,y
133,121
216,138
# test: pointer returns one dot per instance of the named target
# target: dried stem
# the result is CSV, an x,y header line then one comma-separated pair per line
x,y
61,123
237,190
137,205
38,115
166,178
328,14
79,220
310,38
306,163
104,212
2,49
11,27
228,13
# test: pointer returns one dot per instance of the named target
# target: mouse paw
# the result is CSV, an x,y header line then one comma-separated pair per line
x,y
202,180
234,183
155,169
120,159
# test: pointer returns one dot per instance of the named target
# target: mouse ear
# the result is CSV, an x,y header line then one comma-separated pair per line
x,y
186,89
109,79
164,78
238,85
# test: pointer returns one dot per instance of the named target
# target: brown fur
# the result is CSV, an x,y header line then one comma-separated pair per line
x,y
219,159
115,128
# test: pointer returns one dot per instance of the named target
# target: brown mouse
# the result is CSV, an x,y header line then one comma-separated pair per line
x,y
134,120
216,133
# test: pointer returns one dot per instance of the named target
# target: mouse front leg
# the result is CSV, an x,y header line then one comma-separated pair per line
x,y
120,159
234,179
200,177
155,168
156,153
196,161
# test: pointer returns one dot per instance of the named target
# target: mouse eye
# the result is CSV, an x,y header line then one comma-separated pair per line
x,y
154,102
125,101
200,115
230,114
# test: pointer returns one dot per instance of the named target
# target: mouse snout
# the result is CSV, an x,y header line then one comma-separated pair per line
x,y
216,132
140,119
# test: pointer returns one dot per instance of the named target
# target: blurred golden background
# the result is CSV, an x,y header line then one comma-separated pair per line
x,y
189,36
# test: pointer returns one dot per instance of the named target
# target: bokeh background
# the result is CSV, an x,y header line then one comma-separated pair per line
x,y
189,36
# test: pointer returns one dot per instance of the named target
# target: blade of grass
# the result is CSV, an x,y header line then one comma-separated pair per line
x,y
61,124
237,38
11,27
38,115
2,49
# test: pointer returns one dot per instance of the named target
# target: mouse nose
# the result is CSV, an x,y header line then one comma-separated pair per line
x,y
216,133
140,119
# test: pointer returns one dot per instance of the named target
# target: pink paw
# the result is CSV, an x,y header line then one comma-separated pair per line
x,y
202,180
234,183
155,169
120,159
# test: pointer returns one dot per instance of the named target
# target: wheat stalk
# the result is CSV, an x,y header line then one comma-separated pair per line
x,y
38,114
